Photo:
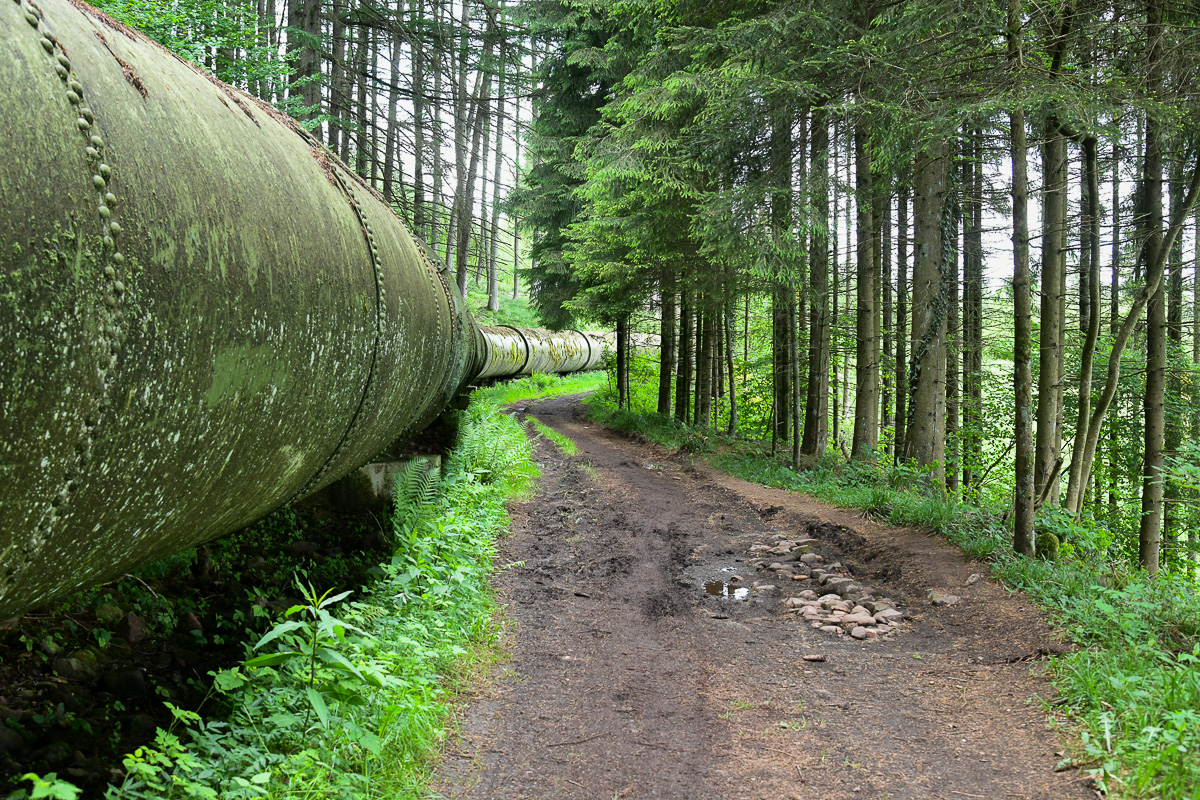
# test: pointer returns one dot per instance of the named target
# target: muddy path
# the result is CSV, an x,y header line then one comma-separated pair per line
x,y
645,663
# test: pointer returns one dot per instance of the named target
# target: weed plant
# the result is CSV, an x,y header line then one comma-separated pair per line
x,y
344,697
539,385
544,431
1132,687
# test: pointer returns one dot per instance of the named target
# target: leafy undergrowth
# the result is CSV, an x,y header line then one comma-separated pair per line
x,y
1132,687
346,694
540,385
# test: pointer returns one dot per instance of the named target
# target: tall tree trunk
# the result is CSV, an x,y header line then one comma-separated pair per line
x,y
304,37
683,376
704,365
973,313
901,322
1050,342
781,219
493,268
866,354
417,51
464,201
623,362
729,347
1150,529
1024,492
1076,481
886,365
666,338
925,432
817,397
953,342
390,157
338,91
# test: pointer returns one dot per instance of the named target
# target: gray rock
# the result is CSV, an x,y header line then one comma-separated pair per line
x,y
131,628
830,629
858,619
888,616
811,558
10,740
940,598
858,632
108,614
73,669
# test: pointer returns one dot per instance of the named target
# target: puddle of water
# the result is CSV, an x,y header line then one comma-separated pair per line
x,y
723,589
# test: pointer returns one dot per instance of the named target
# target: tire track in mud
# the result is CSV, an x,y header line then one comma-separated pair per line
x,y
627,679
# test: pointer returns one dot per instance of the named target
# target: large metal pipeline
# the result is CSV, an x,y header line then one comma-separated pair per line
x,y
203,314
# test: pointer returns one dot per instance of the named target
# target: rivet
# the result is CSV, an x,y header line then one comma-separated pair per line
x,y
110,300
104,211
49,34
110,199
108,241
99,183
73,98
115,228
32,19
97,142
109,272
119,288
83,124
105,170
118,259
62,71
47,45
87,114
93,152
76,86
65,62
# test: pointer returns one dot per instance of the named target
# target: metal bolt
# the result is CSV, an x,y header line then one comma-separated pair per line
x,y
115,228
119,288
105,170
65,62
104,211
83,124
97,142
62,71
47,45
87,114
49,34
118,259
76,86
32,19
110,199
72,97
109,272
99,183
108,242
93,152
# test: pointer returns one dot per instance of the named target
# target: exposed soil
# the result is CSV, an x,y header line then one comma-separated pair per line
x,y
628,679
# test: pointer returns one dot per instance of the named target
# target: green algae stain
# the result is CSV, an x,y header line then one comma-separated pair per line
x,y
245,370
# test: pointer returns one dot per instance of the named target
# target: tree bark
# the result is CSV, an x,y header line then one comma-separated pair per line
x,y
666,338
973,313
817,397
683,377
925,432
866,354
901,323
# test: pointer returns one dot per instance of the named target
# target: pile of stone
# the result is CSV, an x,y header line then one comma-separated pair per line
x,y
828,598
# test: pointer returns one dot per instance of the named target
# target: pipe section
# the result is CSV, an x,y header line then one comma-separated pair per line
x,y
510,351
203,314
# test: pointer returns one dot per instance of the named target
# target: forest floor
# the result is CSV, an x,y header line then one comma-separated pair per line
x,y
628,677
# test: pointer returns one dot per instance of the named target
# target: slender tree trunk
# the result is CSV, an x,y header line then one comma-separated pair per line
x,y
925,432
704,367
623,362
886,365
493,268
1024,492
866,355
781,219
683,377
901,322
953,344
464,202
304,20
973,313
1050,344
1077,482
389,151
729,347
1114,322
666,338
817,400
1150,529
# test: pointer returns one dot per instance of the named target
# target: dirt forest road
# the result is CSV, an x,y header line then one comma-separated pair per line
x,y
641,667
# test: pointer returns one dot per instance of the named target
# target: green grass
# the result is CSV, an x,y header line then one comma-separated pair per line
x,y
546,432
513,311
537,386
1132,687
